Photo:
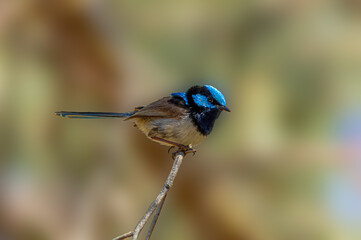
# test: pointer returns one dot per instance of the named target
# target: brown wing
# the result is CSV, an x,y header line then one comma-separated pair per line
x,y
160,109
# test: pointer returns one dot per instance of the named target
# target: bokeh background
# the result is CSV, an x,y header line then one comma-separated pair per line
x,y
283,165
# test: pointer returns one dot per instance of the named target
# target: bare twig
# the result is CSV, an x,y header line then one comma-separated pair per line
x,y
155,219
124,236
158,203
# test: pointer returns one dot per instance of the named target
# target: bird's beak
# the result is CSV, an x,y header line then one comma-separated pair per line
x,y
224,108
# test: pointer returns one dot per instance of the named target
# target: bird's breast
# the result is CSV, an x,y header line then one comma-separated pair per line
x,y
180,130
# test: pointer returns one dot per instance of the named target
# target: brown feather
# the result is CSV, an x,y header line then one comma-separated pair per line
x,y
160,109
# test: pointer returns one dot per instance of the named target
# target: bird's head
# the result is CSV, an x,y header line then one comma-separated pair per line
x,y
205,103
206,97
203,97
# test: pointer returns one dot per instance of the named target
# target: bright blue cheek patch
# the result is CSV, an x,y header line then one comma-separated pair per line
x,y
216,94
182,95
202,101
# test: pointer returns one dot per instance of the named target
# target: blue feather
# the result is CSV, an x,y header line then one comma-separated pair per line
x,y
182,95
202,101
216,94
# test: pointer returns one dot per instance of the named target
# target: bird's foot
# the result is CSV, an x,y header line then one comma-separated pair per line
x,y
185,150
181,148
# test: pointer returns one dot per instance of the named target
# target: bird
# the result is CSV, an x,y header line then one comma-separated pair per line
x,y
181,119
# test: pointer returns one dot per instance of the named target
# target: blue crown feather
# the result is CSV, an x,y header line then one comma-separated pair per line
x,y
216,94
182,95
202,101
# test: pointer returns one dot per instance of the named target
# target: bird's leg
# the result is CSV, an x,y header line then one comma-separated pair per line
x,y
174,144
181,148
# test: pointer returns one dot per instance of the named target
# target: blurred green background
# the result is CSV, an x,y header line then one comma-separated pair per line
x,y
283,165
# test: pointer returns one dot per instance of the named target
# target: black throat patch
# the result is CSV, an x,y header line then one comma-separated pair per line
x,y
204,119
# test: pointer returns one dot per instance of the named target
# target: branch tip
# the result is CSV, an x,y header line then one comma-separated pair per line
x,y
156,204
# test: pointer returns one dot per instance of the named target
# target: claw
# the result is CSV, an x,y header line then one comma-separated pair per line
x,y
191,150
174,155
171,148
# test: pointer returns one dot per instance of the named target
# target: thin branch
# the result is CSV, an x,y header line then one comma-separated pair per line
x,y
158,202
155,219
124,236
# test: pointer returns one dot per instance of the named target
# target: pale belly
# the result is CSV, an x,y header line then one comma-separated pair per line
x,y
180,131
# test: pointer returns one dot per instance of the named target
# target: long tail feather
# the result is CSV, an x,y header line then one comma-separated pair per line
x,y
93,115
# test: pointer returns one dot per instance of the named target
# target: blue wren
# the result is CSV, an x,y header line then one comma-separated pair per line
x,y
180,120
